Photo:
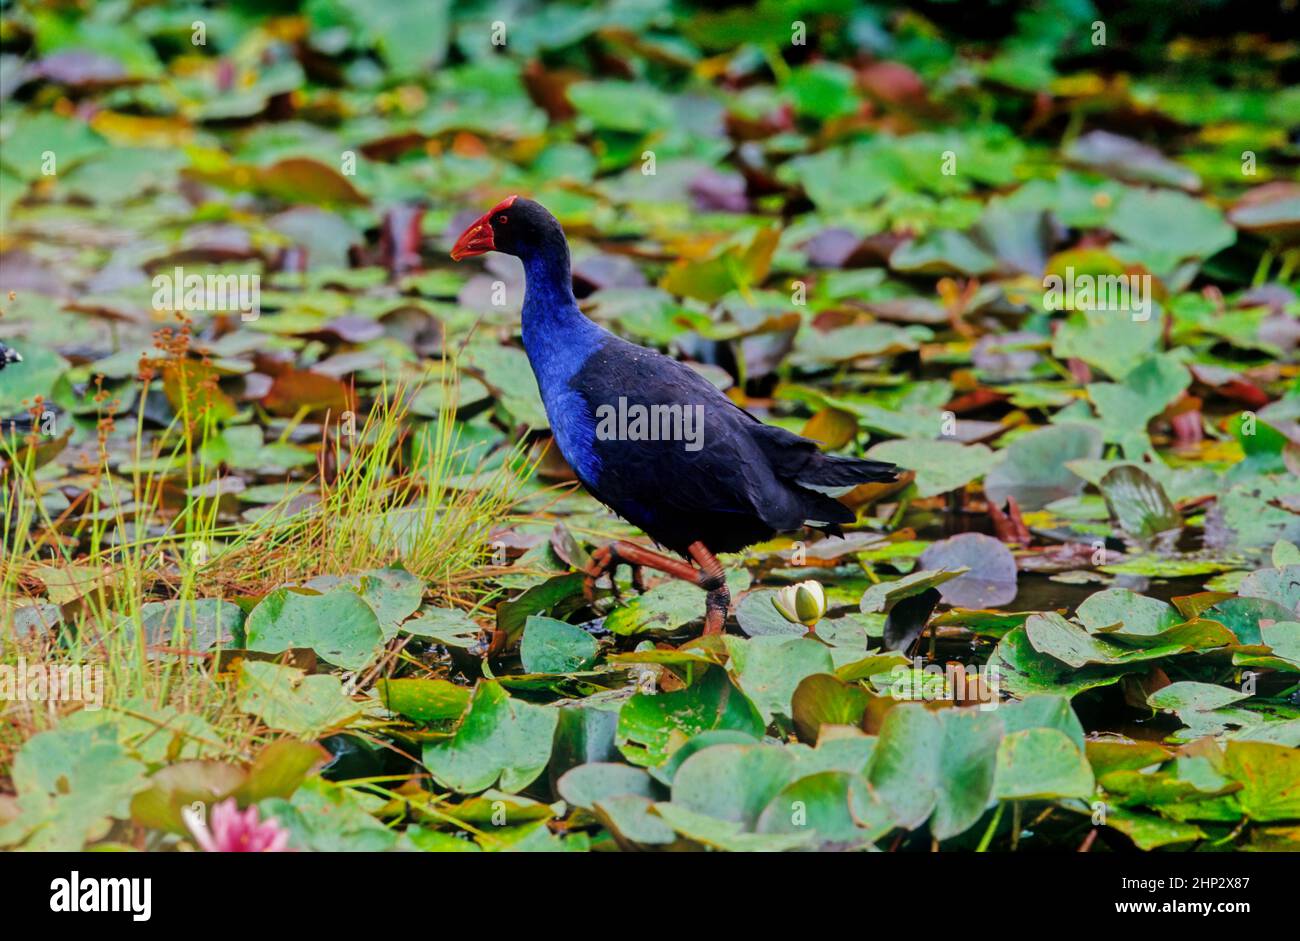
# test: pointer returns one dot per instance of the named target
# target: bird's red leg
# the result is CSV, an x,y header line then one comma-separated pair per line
x,y
607,558
713,580
708,576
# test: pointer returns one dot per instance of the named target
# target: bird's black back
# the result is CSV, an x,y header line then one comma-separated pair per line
x,y
740,487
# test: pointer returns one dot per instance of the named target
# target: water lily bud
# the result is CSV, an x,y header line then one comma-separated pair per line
x,y
804,603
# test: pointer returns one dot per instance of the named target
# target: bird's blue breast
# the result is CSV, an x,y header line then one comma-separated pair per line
x,y
558,342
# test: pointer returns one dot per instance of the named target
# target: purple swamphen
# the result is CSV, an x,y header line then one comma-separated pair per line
x,y
8,356
651,438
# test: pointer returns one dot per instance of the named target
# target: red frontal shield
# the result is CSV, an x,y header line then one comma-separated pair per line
x,y
478,237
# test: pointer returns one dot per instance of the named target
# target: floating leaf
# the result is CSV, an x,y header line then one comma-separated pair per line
x,y
448,626
551,646
1140,507
1033,467
1041,764
1136,614
499,741
990,576
769,669
71,785
885,595
286,698
651,727
940,466
837,806
1270,779
338,625
424,700
823,699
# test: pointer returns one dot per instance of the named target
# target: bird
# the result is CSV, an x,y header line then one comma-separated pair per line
x,y
651,438
8,355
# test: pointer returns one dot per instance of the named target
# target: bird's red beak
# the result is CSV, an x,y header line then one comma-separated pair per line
x,y
478,238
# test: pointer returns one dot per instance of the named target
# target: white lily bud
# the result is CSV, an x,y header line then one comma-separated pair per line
x,y
803,603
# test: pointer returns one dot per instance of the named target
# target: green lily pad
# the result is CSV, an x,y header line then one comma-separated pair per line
x,y
1280,585
586,785
967,764
1041,764
197,624
1139,505
940,466
551,646
665,607
1066,641
449,626
1033,467
325,818
338,624
651,727
823,699
1165,227
838,807
734,783
1149,832
499,741
725,834
23,382
769,668
71,785
286,698
905,765
883,596
1283,640
1242,616
1023,671
1270,779
758,617
393,593
424,700
1135,614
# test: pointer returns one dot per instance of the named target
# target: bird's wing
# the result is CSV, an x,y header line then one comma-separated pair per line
x,y
711,460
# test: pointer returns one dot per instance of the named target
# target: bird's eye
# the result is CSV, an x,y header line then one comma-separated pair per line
x,y
502,219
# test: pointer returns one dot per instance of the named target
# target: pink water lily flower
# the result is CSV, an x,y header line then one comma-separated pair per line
x,y
235,831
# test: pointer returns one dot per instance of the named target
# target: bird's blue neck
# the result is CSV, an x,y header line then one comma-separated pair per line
x,y
558,337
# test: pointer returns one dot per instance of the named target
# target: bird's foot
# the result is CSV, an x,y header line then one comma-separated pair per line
x,y
709,575
605,561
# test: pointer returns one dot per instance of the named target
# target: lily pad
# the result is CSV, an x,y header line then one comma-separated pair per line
x,y
651,727
70,786
1033,466
286,698
339,625
770,668
990,576
1041,764
1140,507
499,741
940,466
551,646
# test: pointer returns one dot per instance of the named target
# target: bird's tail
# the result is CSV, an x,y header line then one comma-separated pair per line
x,y
833,470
